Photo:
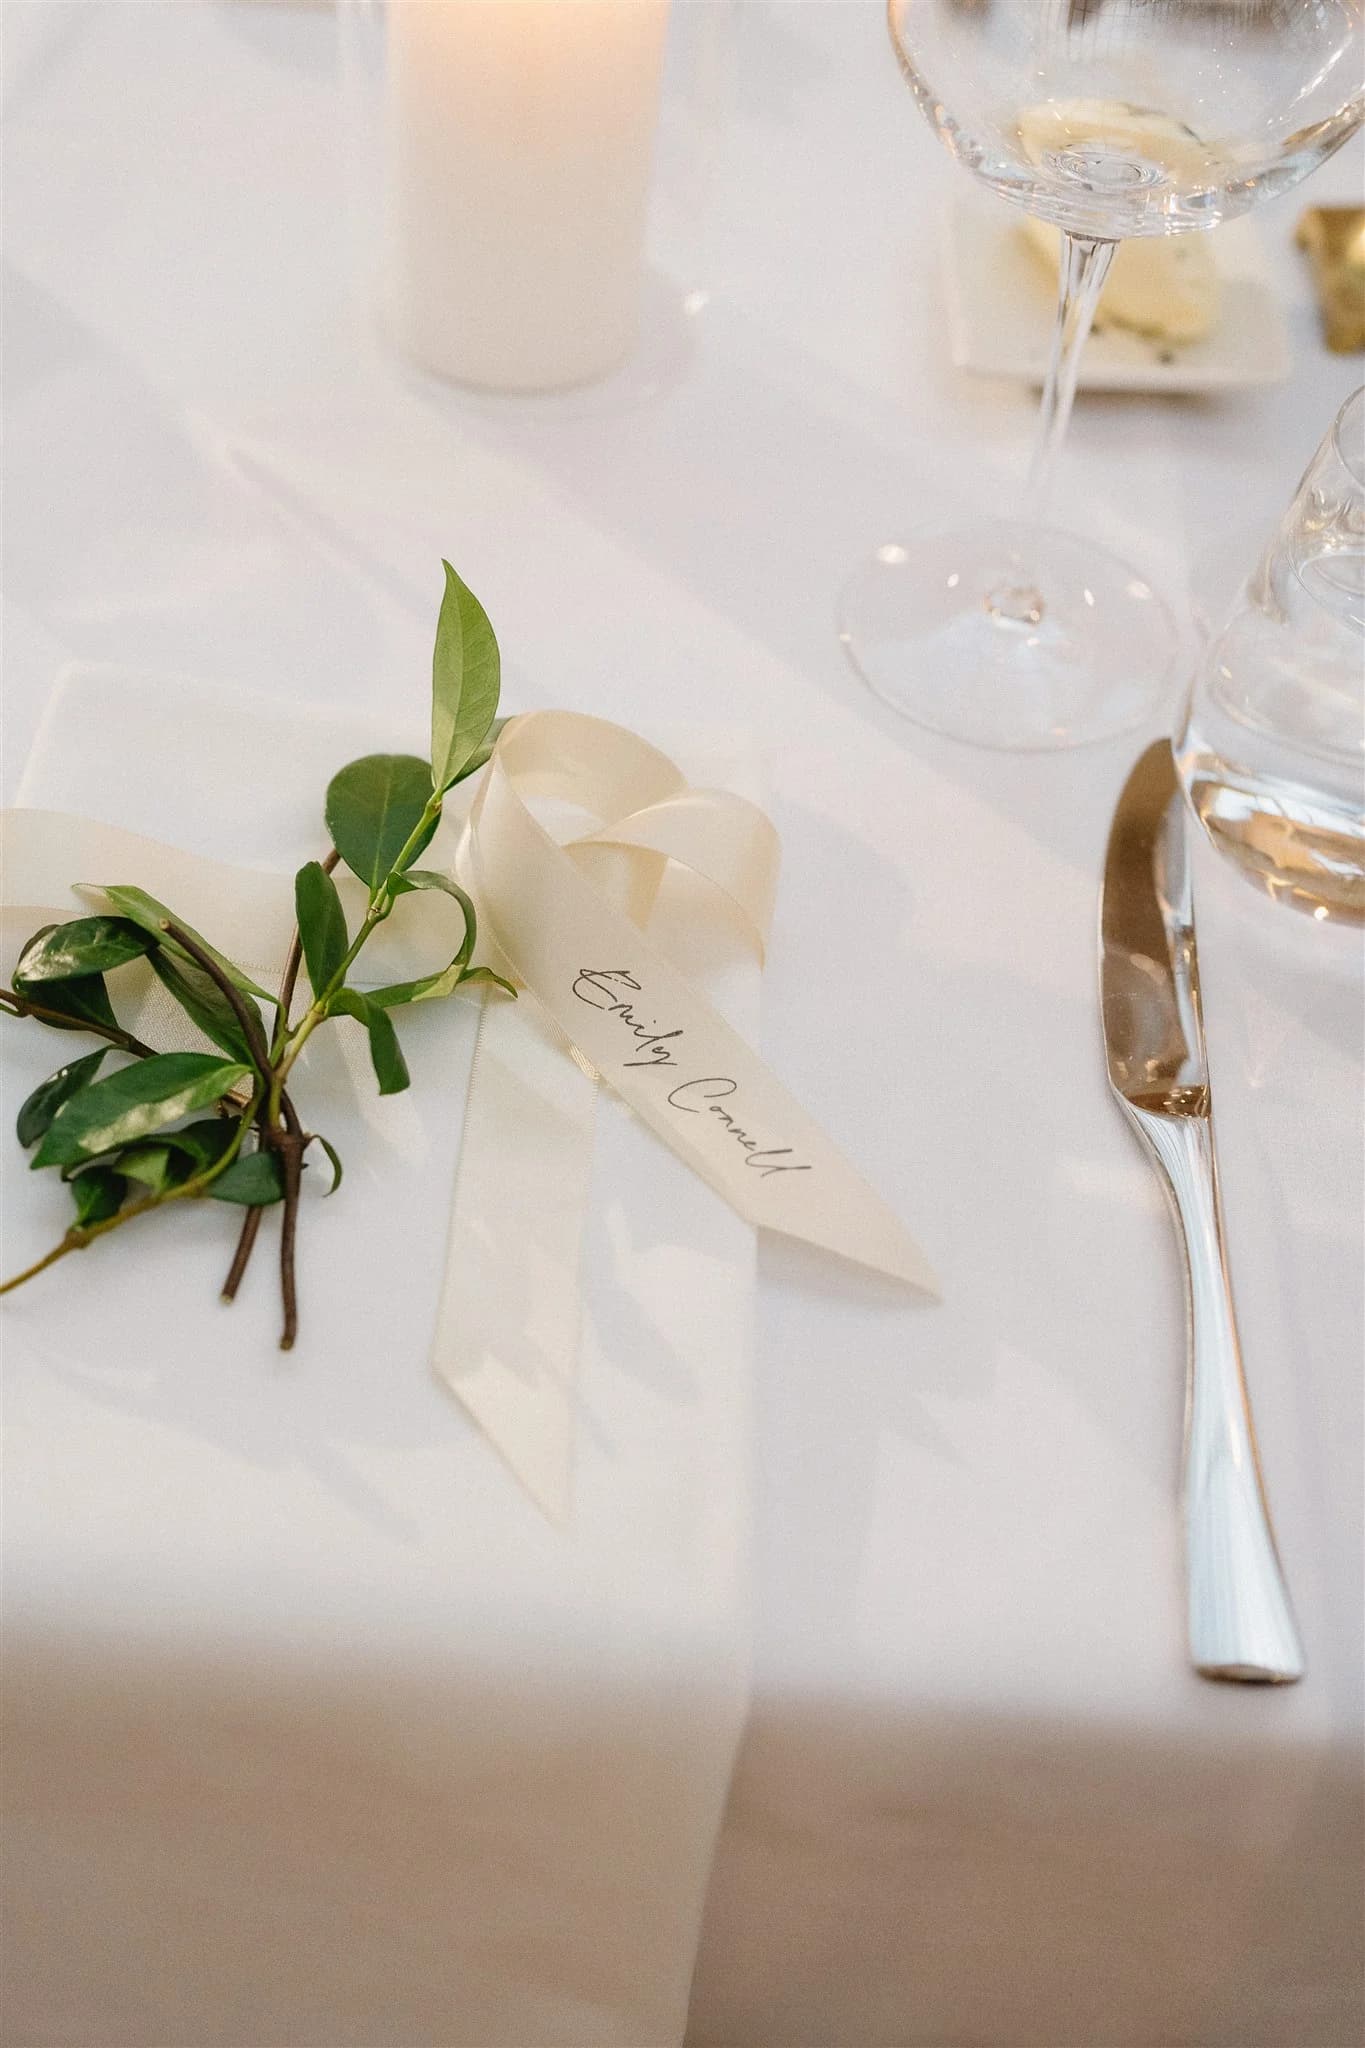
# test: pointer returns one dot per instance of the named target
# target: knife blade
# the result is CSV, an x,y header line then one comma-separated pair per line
x,y
1240,1622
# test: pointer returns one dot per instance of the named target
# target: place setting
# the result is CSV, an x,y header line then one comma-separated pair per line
x,y
647,1401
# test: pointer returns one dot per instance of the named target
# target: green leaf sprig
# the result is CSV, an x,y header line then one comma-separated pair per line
x,y
134,1138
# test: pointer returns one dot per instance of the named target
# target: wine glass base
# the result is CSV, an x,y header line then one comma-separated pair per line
x,y
945,630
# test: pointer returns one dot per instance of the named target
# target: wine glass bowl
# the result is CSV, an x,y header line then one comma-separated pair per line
x,y
1134,117
1107,119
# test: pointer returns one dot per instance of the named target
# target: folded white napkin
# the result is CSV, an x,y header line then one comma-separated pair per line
x,y
299,1665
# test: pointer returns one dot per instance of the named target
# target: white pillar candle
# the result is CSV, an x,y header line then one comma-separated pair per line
x,y
520,136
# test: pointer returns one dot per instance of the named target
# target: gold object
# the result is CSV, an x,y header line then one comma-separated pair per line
x,y
1334,237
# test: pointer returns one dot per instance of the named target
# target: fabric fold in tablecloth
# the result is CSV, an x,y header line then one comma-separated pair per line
x,y
330,1683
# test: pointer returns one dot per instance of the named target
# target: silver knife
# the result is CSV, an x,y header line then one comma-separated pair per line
x,y
1241,1625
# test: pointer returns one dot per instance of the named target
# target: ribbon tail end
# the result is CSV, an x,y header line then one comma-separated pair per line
x,y
539,1456
914,1269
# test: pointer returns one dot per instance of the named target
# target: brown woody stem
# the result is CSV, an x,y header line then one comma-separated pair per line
x,y
251,1222
289,1145
245,1012
24,1006
246,1244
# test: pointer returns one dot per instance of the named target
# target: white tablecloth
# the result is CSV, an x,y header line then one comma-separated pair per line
x,y
980,1798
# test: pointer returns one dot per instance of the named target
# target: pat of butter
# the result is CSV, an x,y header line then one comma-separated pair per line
x,y
1162,285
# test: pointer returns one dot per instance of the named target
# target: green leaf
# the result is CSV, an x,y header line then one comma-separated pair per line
x,y
465,681
29,944
429,987
390,1068
428,878
482,753
373,807
205,1142
154,1167
432,878
136,1102
386,1055
47,1098
200,997
98,1195
79,1002
151,915
254,1180
188,1151
86,945
486,976
322,923
335,1157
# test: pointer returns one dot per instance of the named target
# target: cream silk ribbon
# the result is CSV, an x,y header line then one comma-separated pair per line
x,y
628,1011
569,922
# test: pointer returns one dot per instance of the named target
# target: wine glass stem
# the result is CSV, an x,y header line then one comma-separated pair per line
x,y
1084,267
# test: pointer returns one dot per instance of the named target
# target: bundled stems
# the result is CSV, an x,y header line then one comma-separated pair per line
x,y
276,1119
295,1145
280,1127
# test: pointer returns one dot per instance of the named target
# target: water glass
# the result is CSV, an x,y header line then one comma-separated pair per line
x,y
1272,754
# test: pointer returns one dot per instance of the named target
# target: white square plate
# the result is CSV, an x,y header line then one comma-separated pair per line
x,y
1000,314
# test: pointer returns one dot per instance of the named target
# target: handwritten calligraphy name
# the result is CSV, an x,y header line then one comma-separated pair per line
x,y
601,989
598,986
704,1098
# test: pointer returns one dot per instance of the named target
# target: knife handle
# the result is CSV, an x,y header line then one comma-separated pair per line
x,y
1241,1625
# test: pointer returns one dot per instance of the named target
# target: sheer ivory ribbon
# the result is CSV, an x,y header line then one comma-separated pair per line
x,y
568,922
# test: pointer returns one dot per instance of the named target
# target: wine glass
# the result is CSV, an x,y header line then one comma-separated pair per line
x,y
1106,118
